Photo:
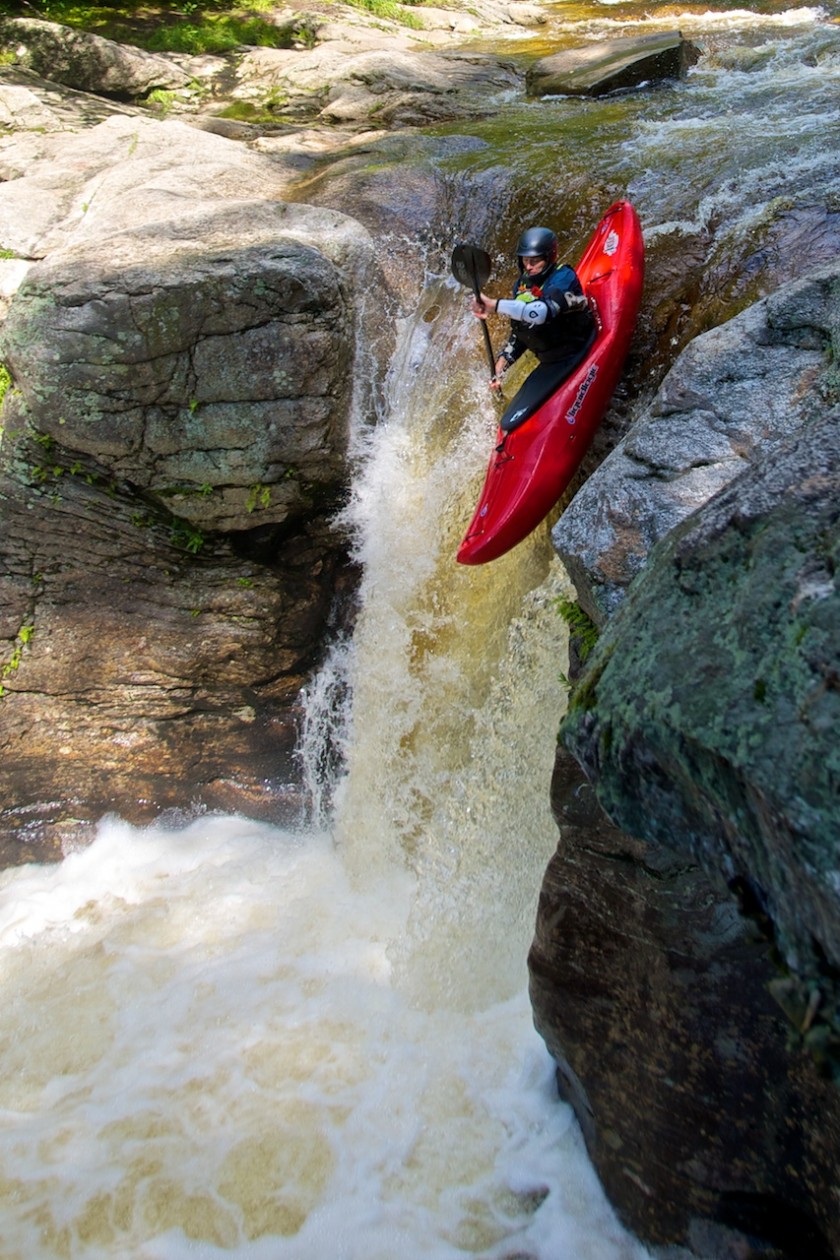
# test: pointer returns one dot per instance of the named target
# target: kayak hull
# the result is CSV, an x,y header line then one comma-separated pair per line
x,y
531,467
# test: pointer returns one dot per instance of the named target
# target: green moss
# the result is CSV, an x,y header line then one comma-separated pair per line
x,y
584,698
9,667
185,536
248,112
833,374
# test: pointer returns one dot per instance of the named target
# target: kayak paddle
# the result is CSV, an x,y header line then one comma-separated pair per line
x,y
471,267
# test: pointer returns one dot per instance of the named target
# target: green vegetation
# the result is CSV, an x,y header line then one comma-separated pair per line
x,y
192,26
581,626
5,381
196,26
389,9
266,112
162,100
185,536
259,496
833,374
24,635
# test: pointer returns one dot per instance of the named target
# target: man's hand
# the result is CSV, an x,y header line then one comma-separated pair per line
x,y
483,305
496,379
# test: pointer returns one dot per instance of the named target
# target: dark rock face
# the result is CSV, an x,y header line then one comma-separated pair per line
x,y
612,65
685,966
650,990
146,678
708,712
705,722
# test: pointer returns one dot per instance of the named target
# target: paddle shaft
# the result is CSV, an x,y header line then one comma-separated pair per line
x,y
487,342
469,263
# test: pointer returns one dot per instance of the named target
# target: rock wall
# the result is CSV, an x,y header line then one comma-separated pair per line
x,y
651,990
174,444
693,937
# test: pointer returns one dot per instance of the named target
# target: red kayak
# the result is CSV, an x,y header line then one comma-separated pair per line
x,y
535,458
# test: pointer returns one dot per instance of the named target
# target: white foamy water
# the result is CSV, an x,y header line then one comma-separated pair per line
x,y
205,1054
229,1040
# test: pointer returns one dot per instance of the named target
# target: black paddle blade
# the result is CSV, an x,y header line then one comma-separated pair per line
x,y
471,266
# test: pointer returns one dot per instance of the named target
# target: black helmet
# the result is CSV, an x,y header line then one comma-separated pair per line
x,y
538,242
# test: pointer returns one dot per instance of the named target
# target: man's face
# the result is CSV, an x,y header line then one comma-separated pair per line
x,y
531,266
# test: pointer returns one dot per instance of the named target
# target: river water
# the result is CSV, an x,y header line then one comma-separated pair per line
x,y
223,1039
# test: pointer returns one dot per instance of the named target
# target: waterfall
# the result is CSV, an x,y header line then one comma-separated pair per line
x,y
233,1040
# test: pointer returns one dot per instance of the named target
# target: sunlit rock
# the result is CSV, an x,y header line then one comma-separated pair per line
x,y
383,86
612,65
174,446
732,394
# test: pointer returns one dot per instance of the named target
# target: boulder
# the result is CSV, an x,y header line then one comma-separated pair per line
x,y
380,87
612,65
705,716
704,720
199,358
653,994
30,103
688,922
524,14
88,62
173,451
732,394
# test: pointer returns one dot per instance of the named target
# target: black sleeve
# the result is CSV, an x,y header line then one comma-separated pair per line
x,y
513,349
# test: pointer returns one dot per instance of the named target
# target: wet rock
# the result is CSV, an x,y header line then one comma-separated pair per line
x,y
690,932
732,394
612,65
721,743
704,722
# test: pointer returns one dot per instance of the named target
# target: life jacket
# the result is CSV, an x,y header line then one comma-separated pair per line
x,y
566,332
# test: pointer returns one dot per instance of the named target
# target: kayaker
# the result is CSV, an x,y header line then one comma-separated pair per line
x,y
549,313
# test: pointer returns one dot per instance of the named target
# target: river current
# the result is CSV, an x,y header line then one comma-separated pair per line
x,y
223,1039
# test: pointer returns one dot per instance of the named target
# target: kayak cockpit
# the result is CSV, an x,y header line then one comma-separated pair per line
x,y
544,381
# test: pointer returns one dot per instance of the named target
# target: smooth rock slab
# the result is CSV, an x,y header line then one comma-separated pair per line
x,y
612,65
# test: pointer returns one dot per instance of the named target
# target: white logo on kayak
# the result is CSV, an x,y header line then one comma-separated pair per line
x,y
571,414
611,244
